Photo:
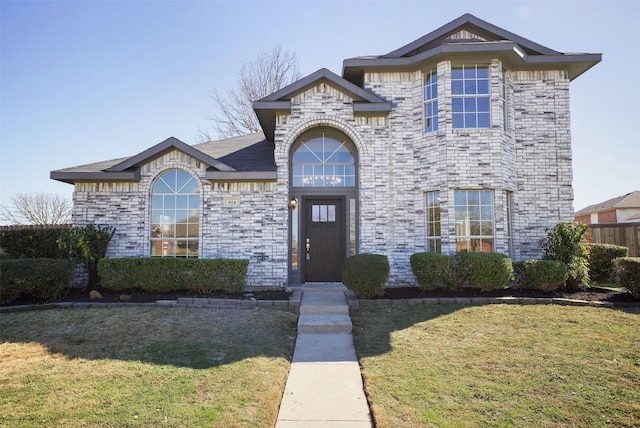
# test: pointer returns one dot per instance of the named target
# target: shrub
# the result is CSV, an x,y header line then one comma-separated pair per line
x,y
543,275
627,271
601,260
566,242
162,275
32,243
432,270
88,245
41,278
489,271
365,275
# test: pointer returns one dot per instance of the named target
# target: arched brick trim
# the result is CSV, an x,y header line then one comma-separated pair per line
x,y
331,122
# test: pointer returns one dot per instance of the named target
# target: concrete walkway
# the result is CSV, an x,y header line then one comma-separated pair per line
x,y
324,387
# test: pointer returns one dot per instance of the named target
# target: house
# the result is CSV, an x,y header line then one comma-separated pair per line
x,y
457,141
623,209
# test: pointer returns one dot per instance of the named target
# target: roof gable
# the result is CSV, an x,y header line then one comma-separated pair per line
x,y
267,107
167,145
465,37
482,30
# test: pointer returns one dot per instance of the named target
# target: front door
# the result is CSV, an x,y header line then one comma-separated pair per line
x,y
323,240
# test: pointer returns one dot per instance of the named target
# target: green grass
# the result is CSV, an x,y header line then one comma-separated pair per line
x,y
500,365
143,367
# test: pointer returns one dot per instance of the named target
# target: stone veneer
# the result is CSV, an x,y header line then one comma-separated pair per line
x,y
526,151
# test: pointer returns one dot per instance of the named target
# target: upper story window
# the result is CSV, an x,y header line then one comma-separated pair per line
x,y
470,97
324,160
430,101
175,215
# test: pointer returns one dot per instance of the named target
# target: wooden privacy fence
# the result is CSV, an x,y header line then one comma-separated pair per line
x,y
625,234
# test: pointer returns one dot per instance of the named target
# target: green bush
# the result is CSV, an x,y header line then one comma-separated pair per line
x,y
627,271
566,242
202,276
32,243
88,244
543,275
601,261
41,278
489,271
366,275
432,270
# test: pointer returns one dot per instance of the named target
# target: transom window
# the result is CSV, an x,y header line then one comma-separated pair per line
x,y
430,101
470,97
175,215
323,161
474,220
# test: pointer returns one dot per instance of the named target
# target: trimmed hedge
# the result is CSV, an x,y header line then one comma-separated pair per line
x,y
432,270
487,271
543,275
41,278
627,271
601,261
32,243
203,276
366,275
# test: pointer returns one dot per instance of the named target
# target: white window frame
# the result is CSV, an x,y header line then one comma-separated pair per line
x,y
468,95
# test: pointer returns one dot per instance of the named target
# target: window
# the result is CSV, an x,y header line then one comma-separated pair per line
x,y
294,236
470,97
434,240
175,215
323,161
430,102
474,220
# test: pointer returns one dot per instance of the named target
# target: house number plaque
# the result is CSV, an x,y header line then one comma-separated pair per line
x,y
231,201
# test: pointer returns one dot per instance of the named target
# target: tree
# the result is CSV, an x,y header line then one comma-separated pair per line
x,y
36,209
88,245
267,73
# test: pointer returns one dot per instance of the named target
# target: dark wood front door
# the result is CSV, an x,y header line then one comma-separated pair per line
x,y
323,240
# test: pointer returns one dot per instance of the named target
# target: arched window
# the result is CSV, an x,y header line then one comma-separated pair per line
x,y
175,215
323,159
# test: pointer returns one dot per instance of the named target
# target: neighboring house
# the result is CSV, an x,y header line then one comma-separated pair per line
x,y
623,209
458,141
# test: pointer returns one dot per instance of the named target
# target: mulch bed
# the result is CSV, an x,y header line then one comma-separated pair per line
x,y
618,298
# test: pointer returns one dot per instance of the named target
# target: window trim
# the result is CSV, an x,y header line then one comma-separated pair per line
x,y
433,242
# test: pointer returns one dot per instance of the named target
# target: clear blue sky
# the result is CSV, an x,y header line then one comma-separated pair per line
x,y
86,81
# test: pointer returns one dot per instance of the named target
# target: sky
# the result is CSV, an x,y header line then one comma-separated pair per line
x,y
87,81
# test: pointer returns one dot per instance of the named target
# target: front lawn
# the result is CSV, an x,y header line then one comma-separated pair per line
x,y
143,367
500,365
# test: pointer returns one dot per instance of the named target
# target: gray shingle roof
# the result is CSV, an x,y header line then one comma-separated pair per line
x,y
245,157
630,200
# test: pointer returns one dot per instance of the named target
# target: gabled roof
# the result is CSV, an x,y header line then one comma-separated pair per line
x,y
168,145
267,107
515,51
249,157
630,200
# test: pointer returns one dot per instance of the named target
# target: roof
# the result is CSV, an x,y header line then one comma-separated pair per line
x,y
515,51
249,157
630,200
280,101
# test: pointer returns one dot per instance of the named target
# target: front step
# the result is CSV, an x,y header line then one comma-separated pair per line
x,y
324,303
324,323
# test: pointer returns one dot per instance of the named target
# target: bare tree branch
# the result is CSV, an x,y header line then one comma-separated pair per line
x,y
267,73
36,209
